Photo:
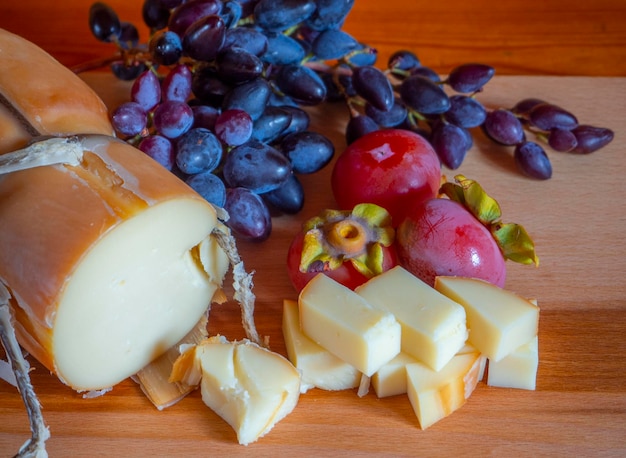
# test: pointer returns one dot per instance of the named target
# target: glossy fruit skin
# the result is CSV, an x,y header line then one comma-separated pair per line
x,y
347,275
392,168
440,237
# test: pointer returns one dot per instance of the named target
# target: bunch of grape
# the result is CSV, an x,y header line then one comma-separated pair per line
x,y
220,89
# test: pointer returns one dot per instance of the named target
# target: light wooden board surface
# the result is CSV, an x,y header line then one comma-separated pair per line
x,y
577,218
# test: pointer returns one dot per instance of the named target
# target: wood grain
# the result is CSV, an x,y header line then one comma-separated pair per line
x,y
517,37
579,408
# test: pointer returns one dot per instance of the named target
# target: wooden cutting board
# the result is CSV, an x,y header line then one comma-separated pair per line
x,y
578,220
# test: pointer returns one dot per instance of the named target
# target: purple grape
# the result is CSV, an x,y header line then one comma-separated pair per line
x,y
466,112
426,72
160,149
468,78
165,47
403,60
128,71
524,106
301,84
231,13
207,87
333,44
590,138
279,15
190,12
450,144
359,126
236,65
250,97
363,56
532,160
197,151
129,35
288,198
176,85
172,119
373,86
204,38
307,151
271,124
256,166
503,127
233,127
146,90
300,120
204,116
246,38
389,118
155,14
103,22
329,14
283,50
546,116
424,95
249,218
209,186
562,140
129,119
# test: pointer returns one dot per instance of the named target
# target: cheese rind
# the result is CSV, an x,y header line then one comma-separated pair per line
x,y
435,395
499,320
248,386
518,369
319,367
344,323
433,326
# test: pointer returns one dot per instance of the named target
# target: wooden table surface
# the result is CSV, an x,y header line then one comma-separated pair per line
x,y
577,219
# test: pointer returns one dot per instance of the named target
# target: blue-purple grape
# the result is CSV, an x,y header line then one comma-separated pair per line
x,y
524,106
208,87
166,47
359,126
466,112
197,151
307,151
129,119
248,38
176,85
129,35
333,44
128,71
209,186
387,118
250,97
172,118
231,13
469,78
503,127
279,15
256,166
190,12
160,149
104,22
146,90
424,95
329,14
155,15
204,38
425,72
591,138
300,120
403,60
283,50
373,86
532,160
287,198
204,116
271,124
546,116
450,143
562,140
301,84
233,127
236,65
249,217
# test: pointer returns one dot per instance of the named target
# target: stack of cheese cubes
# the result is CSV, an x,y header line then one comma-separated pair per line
x,y
407,337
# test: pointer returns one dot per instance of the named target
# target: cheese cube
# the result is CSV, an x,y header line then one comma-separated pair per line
x,y
433,326
250,387
435,395
467,348
518,369
319,367
499,320
390,380
344,323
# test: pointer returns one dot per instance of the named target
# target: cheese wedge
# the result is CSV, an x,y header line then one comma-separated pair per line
x,y
104,259
344,323
319,367
248,386
433,326
435,395
390,380
499,320
518,369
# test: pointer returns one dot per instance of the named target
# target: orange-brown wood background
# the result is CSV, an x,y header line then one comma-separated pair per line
x,y
552,37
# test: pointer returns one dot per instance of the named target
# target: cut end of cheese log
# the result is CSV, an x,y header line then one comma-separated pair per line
x,y
344,323
518,369
499,320
248,386
319,367
433,326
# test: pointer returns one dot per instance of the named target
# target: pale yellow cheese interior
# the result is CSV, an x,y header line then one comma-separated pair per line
x,y
137,292
518,369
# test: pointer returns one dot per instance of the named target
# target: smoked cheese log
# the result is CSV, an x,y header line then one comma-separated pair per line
x,y
110,262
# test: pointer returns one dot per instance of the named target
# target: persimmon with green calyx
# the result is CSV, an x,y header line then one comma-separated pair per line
x,y
461,235
348,246
393,168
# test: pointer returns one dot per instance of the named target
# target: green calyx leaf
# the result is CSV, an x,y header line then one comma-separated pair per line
x,y
357,236
513,240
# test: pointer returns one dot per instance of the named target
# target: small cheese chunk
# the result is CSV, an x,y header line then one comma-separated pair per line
x,y
345,324
390,380
250,387
435,395
433,326
499,321
518,369
319,367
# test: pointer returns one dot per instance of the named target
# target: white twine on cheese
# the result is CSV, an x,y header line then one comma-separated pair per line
x,y
51,151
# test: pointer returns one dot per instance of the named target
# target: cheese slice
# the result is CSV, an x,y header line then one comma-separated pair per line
x,y
344,323
499,320
319,367
433,326
248,386
435,395
518,369
390,380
